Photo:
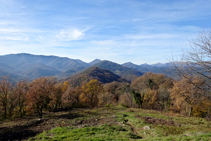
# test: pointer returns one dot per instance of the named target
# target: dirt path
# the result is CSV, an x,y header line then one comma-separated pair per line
x,y
133,129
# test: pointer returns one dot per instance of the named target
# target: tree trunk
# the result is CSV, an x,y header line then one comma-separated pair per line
x,y
21,111
40,112
5,112
190,111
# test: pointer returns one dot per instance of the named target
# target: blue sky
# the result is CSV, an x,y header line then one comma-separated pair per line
x,y
139,31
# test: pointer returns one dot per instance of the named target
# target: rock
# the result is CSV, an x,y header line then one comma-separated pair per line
x,y
81,126
146,128
114,116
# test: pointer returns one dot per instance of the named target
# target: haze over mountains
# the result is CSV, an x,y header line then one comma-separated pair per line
x,y
23,65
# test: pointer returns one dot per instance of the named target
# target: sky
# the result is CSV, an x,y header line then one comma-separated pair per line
x,y
138,31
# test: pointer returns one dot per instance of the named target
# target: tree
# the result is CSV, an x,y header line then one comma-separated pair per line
x,y
110,94
20,95
186,95
126,89
71,97
5,94
38,95
138,98
91,92
56,97
196,61
153,89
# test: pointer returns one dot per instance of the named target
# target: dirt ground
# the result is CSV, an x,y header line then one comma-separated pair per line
x,y
156,121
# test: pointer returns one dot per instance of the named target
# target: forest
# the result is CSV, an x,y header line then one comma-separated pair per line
x,y
150,91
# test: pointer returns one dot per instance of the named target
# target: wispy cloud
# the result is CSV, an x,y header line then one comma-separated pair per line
x,y
70,34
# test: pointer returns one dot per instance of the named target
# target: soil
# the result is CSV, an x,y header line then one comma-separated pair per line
x,y
156,121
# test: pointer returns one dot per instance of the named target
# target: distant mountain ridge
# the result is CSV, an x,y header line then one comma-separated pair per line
x,y
31,66
24,65
127,73
165,68
59,63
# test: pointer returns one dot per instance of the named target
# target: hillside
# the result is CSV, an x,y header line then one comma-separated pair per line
x,y
127,73
69,72
12,76
7,68
37,72
102,75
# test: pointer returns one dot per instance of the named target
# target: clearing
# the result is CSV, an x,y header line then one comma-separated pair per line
x,y
105,124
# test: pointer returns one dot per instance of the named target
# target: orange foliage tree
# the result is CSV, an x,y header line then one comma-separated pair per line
x,y
20,95
38,95
56,97
6,95
91,92
185,96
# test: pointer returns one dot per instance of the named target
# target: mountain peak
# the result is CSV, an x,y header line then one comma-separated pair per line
x,y
130,65
102,75
94,62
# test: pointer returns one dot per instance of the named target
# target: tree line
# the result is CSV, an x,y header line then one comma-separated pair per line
x,y
150,91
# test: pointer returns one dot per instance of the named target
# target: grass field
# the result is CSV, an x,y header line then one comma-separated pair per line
x,y
111,123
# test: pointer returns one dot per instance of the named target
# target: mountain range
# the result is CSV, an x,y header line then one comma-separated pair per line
x,y
23,65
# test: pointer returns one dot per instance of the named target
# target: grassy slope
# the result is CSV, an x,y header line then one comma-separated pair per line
x,y
116,123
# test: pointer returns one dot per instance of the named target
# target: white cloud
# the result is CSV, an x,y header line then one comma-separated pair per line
x,y
70,34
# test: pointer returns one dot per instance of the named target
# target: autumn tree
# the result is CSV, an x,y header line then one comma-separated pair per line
x,y
185,95
126,90
65,86
69,98
56,97
21,89
38,95
91,92
153,88
111,93
6,95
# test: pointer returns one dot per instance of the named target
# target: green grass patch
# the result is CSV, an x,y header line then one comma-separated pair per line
x,y
103,133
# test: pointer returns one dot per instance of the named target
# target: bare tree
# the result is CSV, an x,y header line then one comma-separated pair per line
x,y
196,61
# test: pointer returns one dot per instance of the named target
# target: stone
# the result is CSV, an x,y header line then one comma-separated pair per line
x,y
146,128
